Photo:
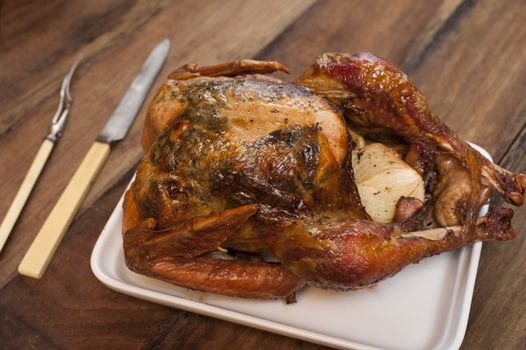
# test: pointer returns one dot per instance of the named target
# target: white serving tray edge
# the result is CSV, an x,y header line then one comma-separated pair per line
x,y
110,242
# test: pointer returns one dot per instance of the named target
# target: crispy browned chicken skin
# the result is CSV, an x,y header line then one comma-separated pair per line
x,y
237,161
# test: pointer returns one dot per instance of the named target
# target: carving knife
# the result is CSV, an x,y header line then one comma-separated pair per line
x,y
41,251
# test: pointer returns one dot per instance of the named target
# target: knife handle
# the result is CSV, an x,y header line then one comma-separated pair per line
x,y
25,190
41,251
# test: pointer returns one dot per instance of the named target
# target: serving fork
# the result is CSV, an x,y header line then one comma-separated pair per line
x,y
55,132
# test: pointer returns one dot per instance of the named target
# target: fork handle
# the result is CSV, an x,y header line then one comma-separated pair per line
x,y
41,251
25,190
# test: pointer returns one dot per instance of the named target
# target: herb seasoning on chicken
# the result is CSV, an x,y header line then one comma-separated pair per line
x,y
239,161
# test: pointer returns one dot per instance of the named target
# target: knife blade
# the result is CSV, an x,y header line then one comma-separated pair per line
x,y
41,251
122,118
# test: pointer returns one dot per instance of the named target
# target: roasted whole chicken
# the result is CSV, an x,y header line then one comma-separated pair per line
x,y
247,185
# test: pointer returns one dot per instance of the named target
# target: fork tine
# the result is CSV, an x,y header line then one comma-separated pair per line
x,y
67,78
65,95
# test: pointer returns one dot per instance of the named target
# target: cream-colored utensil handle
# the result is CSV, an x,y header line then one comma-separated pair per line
x,y
46,242
25,190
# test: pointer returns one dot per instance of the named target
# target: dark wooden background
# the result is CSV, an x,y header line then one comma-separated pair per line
x,y
468,57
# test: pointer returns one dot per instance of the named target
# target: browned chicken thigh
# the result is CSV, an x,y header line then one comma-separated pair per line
x,y
379,101
236,161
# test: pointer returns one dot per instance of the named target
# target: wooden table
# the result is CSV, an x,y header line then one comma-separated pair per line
x,y
468,57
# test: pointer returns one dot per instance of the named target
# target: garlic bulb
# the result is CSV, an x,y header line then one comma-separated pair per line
x,y
382,178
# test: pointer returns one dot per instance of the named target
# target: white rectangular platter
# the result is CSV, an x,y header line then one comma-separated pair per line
x,y
425,306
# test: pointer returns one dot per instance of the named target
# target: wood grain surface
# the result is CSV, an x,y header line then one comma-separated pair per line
x,y
468,57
